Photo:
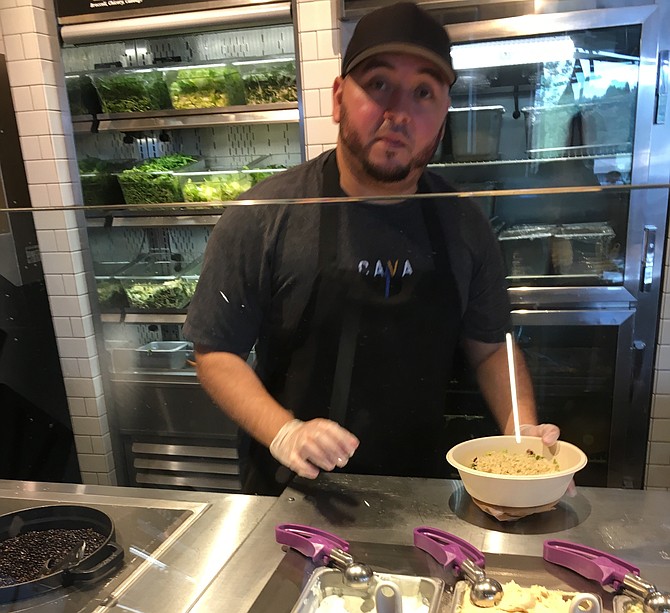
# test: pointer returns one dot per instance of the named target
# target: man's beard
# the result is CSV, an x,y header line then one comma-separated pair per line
x,y
382,174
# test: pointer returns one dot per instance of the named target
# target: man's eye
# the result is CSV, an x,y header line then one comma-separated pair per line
x,y
378,85
423,93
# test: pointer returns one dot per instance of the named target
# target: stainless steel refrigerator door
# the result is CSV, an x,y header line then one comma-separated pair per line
x,y
621,50
585,367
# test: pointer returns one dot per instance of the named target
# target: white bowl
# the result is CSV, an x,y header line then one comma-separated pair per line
x,y
516,490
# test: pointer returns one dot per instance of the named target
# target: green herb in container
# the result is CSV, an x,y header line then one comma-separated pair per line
x,y
201,88
277,84
153,182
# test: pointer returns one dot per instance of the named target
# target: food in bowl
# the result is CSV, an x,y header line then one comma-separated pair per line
x,y
516,491
505,462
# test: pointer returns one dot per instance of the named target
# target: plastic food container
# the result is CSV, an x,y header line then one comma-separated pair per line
x,y
154,187
607,125
111,293
215,186
206,87
81,94
131,91
325,582
163,354
527,249
582,248
270,83
99,181
152,295
475,132
548,130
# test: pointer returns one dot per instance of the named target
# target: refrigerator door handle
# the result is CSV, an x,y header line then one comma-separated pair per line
x,y
638,358
662,86
648,253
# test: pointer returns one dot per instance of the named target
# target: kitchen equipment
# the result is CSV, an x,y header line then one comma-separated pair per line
x,y
94,566
516,490
325,548
459,555
388,598
475,132
326,588
549,130
608,570
527,249
582,248
163,354
71,559
517,598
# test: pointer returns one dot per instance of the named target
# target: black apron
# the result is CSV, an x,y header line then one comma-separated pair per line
x,y
373,358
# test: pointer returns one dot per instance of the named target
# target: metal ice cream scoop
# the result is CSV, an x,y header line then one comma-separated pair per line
x,y
607,570
325,548
465,559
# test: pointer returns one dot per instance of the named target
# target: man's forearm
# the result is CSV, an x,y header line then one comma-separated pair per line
x,y
235,388
494,384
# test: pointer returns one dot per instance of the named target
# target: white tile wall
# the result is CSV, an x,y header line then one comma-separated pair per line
x,y
319,51
29,41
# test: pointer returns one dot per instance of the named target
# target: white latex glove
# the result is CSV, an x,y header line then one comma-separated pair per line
x,y
307,446
549,434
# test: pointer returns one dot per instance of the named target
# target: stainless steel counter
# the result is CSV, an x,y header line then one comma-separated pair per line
x,y
369,511
212,553
175,543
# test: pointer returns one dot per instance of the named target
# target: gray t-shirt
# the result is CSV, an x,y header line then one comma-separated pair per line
x,y
261,261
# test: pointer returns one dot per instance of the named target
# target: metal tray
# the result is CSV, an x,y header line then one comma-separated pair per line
x,y
625,604
163,354
155,266
328,582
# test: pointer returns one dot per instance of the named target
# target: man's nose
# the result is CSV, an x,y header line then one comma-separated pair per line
x,y
398,106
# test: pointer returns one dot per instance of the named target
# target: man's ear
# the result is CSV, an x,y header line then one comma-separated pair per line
x,y
337,98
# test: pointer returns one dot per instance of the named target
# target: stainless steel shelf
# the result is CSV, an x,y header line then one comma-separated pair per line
x,y
534,160
281,112
174,377
143,318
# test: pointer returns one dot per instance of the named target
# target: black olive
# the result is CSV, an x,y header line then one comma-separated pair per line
x,y
25,557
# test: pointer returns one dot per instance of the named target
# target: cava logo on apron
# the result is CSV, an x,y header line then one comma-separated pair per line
x,y
392,269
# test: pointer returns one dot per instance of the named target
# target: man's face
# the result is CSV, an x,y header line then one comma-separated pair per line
x,y
391,110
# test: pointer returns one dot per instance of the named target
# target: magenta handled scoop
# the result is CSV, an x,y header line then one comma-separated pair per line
x,y
325,548
607,570
455,553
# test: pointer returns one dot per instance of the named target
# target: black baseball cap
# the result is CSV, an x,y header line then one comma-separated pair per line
x,y
402,27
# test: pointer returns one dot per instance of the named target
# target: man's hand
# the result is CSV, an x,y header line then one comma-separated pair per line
x,y
549,433
307,446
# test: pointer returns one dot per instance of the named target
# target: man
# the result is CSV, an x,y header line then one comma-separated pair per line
x,y
357,308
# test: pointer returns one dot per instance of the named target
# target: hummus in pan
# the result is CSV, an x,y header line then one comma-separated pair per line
x,y
533,599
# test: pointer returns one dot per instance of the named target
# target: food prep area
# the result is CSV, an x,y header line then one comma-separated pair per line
x,y
209,552
172,545
377,516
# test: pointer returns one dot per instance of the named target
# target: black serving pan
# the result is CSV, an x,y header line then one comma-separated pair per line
x,y
95,565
